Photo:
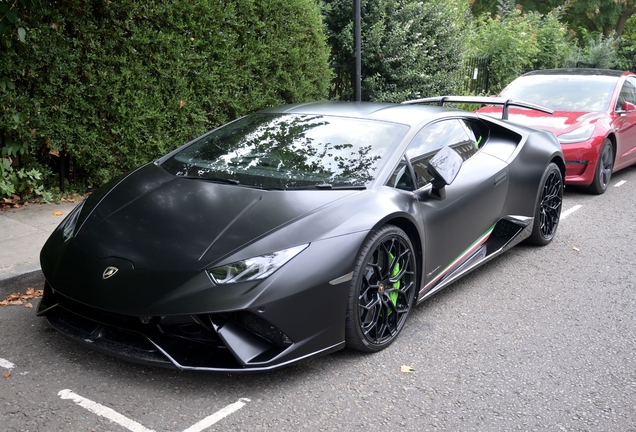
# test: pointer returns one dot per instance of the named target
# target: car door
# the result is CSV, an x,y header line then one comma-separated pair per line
x,y
473,202
625,121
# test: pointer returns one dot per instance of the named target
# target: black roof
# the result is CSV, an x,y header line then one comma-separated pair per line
x,y
405,114
578,71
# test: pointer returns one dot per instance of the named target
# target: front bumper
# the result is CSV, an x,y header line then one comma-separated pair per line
x,y
227,342
580,161
182,320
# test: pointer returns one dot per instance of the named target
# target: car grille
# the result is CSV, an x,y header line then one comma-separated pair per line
x,y
201,341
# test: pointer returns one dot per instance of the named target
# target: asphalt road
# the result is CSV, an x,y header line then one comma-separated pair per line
x,y
538,339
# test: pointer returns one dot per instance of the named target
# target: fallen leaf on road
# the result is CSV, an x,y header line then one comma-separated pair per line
x,y
407,369
28,305
17,299
57,213
7,375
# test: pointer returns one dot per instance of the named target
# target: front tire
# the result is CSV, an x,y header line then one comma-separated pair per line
x,y
603,170
548,206
382,290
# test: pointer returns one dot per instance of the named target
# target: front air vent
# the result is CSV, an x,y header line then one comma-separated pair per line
x,y
262,328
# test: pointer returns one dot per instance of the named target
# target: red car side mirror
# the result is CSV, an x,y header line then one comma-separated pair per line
x,y
628,106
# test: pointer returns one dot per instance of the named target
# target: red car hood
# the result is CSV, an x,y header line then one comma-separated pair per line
x,y
558,123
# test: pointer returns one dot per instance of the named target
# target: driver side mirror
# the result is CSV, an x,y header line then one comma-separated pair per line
x,y
443,168
628,106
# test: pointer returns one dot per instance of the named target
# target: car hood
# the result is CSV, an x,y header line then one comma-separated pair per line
x,y
156,220
558,123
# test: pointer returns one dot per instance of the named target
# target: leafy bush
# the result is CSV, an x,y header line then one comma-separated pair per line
x,y
513,42
116,84
23,181
597,51
409,48
508,42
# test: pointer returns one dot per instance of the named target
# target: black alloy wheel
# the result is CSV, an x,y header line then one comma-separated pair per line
x,y
548,207
604,167
382,290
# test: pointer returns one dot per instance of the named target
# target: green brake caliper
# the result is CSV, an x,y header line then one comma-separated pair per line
x,y
394,295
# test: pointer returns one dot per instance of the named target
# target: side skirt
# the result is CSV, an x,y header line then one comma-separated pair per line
x,y
503,235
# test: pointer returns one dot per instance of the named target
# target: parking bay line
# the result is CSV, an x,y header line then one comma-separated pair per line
x,y
6,364
103,411
210,420
133,426
620,183
569,211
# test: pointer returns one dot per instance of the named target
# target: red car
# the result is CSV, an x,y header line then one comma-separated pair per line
x,y
594,119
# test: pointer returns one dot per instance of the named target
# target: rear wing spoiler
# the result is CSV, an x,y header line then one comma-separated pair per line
x,y
441,100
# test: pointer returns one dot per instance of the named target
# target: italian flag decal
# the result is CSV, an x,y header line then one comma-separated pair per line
x,y
478,243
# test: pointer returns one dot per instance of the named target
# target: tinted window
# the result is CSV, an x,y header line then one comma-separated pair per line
x,y
401,178
564,92
628,94
453,133
289,151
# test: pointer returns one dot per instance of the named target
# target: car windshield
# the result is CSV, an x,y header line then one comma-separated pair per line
x,y
284,151
564,92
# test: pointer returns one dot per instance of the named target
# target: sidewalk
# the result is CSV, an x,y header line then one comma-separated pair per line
x,y
23,232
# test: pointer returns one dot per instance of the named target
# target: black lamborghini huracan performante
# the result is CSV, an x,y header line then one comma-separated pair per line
x,y
296,231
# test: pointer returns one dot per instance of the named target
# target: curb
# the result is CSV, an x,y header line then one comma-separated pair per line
x,y
18,279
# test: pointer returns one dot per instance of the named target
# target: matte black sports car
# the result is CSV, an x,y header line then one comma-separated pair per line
x,y
294,232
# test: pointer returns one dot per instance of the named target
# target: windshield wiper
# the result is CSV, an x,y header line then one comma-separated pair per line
x,y
214,179
223,180
324,186
329,186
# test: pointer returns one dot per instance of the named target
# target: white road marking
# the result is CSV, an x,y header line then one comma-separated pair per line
x,y
568,212
210,420
103,411
133,426
6,364
620,183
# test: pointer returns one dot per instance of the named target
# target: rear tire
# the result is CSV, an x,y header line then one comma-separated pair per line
x,y
548,207
603,170
382,290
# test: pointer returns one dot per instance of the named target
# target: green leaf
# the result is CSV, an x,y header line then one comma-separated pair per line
x,y
12,16
21,34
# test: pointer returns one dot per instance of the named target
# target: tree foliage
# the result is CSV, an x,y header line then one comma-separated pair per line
x,y
608,17
409,48
116,84
513,41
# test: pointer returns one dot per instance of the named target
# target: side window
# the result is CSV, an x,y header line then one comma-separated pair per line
x,y
401,178
477,131
454,133
628,93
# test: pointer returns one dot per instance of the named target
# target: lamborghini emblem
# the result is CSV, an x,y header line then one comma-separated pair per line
x,y
110,271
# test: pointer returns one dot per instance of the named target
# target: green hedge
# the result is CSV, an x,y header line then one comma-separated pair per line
x,y
118,83
410,48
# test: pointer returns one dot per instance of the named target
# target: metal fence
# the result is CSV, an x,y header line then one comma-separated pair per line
x,y
474,76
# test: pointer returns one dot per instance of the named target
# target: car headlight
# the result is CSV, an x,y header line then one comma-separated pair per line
x,y
68,225
577,135
254,268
